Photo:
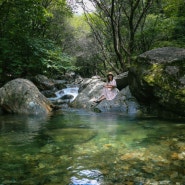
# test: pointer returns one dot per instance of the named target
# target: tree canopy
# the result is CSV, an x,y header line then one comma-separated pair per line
x,y
46,37
32,33
123,29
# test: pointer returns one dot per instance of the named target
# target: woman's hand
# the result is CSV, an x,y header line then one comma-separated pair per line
x,y
109,86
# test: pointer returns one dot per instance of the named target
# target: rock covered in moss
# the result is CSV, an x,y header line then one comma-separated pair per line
x,y
23,97
158,78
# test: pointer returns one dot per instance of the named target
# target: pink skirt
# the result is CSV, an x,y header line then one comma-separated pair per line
x,y
109,93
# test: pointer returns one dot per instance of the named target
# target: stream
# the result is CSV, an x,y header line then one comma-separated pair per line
x,y
77,147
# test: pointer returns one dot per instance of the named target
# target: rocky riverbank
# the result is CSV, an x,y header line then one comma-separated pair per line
x,y
91,90
154,84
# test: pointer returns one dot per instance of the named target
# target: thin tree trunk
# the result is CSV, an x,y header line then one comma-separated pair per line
x,y
115,37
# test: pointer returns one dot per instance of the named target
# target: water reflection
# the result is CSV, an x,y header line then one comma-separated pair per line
x,y
9,123
20,130
87,177
85,148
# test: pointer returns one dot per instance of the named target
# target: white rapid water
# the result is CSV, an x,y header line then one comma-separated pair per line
x,y
70,92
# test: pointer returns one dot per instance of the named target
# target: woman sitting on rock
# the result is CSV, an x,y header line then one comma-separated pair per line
x,y
109,91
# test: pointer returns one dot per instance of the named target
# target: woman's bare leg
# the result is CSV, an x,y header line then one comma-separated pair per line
x,y
100,99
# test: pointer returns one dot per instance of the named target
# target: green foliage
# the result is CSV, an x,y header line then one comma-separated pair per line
x,y
136,28
170,28
82,46
41,36
172,8
28,38
48,58
58,62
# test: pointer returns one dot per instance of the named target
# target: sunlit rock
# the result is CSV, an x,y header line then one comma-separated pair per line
x,y
178,156
89,91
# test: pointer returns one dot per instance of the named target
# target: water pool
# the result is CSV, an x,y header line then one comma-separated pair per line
x,y
76,147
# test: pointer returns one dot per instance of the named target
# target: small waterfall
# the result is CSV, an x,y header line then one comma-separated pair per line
x,y
67,95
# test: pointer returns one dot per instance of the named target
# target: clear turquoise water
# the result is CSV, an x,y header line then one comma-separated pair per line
x,y
85,148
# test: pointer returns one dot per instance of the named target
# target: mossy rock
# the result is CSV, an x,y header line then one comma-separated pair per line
x,y
157,78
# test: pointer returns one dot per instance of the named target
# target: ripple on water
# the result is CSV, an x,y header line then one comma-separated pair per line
x,y
87,177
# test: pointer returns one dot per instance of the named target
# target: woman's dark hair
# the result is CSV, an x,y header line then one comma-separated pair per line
x,y
109,78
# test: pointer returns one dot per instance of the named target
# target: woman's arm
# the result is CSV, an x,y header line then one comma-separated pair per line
x,y
109,86
112,85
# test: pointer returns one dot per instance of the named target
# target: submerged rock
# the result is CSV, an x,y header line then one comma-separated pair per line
x,y
157,79
23,97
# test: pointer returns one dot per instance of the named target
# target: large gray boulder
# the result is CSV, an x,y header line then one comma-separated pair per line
x,y
21,96
157,79
91,89
124,102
